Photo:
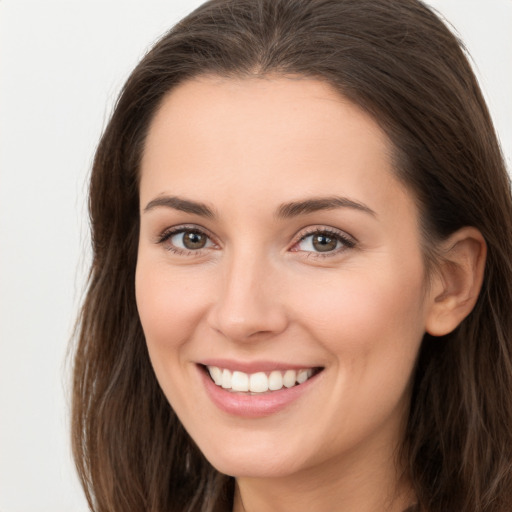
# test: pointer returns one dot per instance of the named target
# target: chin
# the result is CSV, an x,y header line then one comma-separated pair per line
x,y
253,462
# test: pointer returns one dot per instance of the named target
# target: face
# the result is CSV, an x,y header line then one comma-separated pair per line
x,y
280,281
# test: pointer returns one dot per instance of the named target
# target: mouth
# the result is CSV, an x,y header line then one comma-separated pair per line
x,y
257,389
237,381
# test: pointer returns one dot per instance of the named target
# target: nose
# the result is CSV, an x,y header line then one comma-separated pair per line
x,y
249,305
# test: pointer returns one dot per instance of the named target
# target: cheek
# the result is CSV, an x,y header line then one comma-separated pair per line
x,y
370,316
372,325
170,305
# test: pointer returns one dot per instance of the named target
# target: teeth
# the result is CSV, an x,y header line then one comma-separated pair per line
x,y
216,374
303,376
226,379
240,381
275,381
259,382
289,378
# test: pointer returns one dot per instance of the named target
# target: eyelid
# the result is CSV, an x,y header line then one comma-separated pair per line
x,y
169,232
348,241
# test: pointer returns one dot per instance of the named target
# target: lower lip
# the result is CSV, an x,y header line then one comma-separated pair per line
x,y
257,405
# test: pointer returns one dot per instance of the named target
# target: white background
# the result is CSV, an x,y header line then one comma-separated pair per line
x,y
62,64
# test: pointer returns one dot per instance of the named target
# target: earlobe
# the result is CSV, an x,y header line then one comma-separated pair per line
x,y
458,280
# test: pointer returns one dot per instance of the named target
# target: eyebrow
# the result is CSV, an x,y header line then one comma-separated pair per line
x,y
285,211
183,205
316,204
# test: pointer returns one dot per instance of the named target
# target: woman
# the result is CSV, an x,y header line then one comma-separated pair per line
x,y
300,292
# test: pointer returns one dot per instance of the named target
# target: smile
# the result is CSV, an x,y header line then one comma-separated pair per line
x,y
263,389
259,382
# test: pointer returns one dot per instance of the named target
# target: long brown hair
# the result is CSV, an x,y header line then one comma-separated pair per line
x,y
399,62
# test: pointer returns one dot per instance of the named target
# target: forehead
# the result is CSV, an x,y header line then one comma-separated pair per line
x,y
261,137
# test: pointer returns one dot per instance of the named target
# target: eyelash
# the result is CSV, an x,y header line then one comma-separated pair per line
x,y
346,241
169,233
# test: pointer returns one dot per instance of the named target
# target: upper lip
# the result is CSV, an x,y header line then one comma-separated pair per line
x,y
254,366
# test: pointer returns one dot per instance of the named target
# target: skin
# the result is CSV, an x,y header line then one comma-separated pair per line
x,y
259,291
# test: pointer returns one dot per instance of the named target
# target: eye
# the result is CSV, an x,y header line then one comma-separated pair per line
x,y
183,240
191,240
324,241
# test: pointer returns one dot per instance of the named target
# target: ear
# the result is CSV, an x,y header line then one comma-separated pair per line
x,y
457,280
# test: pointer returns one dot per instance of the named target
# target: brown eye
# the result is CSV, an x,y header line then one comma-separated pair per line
x,y
324,243
193,240
186,240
